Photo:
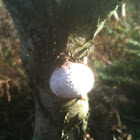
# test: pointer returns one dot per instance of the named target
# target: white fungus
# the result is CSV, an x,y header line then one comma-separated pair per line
x,y
71,81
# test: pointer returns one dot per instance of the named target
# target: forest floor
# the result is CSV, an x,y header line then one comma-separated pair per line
x,y
115,97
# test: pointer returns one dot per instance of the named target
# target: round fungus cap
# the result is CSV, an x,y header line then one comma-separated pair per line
x,y
71,81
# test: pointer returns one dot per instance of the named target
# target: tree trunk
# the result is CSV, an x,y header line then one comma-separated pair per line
x,y
50,31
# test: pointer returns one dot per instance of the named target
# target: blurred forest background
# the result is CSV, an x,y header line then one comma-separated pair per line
x,y
115,62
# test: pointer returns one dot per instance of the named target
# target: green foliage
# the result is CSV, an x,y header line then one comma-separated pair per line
x,y
116,60
121,72
125,61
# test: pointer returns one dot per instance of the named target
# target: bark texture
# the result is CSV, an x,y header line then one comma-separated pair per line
x,y
50,32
